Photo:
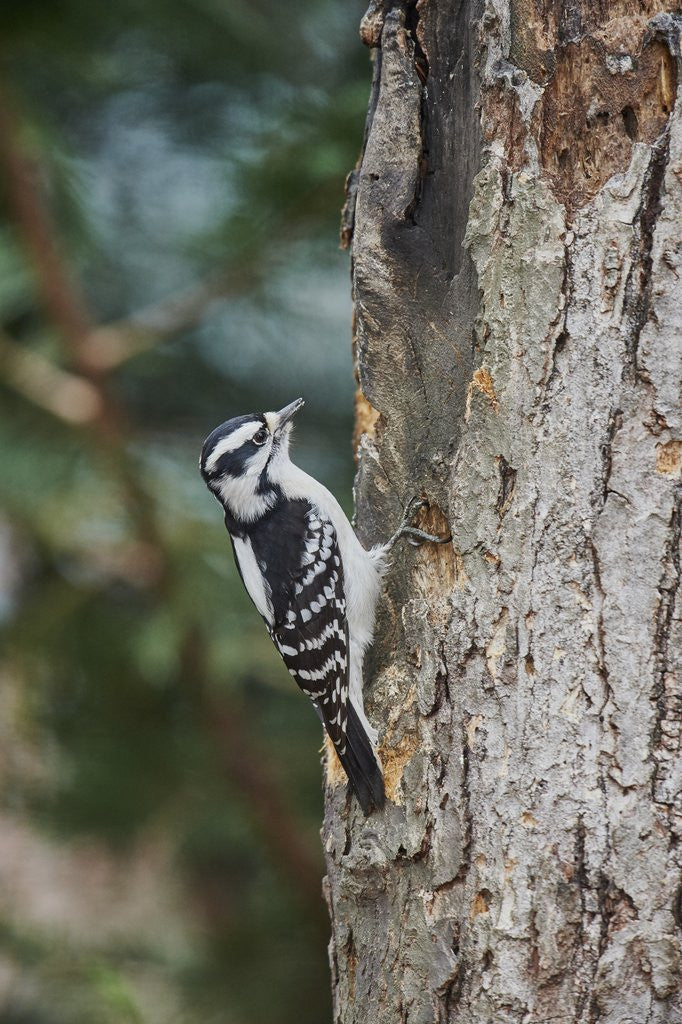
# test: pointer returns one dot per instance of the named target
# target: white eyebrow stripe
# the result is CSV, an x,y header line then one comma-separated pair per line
x,y
233,441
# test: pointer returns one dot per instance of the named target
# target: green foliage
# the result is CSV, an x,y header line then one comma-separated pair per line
x,y
171,142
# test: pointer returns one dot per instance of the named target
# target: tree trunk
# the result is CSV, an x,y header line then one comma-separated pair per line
x,y
516,277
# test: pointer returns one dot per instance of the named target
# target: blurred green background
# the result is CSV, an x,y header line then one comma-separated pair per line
x,y
171,175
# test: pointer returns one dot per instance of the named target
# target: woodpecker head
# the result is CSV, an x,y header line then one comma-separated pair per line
x,y
244,460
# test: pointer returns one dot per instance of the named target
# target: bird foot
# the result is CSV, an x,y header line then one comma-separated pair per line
x,y
412,533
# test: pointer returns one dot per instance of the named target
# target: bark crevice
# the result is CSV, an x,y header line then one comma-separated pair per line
x,y
667,694
636,304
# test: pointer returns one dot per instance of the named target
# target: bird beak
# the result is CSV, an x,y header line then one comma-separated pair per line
x,y
285,414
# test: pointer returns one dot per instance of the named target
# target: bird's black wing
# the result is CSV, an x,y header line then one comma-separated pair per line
x,y
298,553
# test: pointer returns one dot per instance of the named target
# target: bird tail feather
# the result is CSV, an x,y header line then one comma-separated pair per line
x,y
361,765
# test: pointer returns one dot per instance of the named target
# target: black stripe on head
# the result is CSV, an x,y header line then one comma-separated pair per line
x,y
234,463
230,462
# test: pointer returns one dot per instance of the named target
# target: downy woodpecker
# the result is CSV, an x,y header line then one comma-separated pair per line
x,y
311,580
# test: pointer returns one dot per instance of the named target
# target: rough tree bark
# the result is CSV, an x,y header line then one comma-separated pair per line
x,y
516,235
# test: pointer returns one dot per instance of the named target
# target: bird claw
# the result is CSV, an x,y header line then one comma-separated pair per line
x,y
411,509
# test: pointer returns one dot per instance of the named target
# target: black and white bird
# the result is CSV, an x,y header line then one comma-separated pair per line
x,y
308,575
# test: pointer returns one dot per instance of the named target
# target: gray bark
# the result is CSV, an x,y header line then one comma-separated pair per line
x,y
516,278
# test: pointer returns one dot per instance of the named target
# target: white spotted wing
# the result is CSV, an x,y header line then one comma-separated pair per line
x,y
311,632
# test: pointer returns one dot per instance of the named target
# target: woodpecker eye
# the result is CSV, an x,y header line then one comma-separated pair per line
x,y
260,437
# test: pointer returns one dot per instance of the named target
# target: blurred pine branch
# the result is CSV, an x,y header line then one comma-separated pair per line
x,y
169,173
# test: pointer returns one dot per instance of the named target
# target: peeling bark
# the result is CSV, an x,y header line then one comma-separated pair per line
x,y
515,222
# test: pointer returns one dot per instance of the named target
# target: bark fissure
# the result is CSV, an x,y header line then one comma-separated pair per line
x,y
614,424
421,66
667,695
638,284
